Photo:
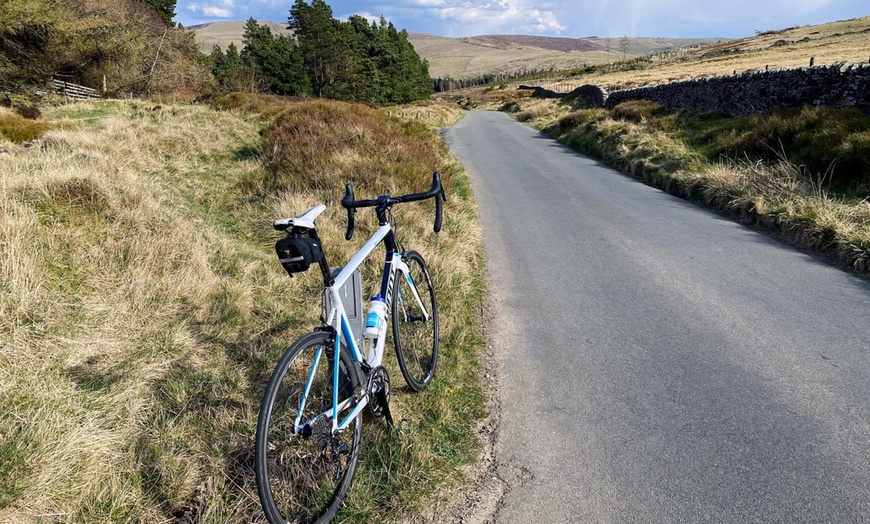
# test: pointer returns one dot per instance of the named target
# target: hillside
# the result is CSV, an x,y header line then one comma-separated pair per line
x,y
830,43
478,55
222,33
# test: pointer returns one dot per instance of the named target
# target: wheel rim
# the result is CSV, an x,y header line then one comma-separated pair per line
x,y
416,336
307,476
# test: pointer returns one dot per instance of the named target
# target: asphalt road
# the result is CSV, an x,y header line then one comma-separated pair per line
x,y
659,363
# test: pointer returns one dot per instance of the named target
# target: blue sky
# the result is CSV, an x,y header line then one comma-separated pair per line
x,y
568,18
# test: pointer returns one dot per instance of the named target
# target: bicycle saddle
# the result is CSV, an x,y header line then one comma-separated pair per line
x,y
303,221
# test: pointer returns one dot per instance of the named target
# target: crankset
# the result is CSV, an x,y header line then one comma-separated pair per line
x,y
379,392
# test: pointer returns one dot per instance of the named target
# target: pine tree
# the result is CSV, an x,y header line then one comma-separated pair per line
x,y
164,8
328,60
228,68
355,60
277,60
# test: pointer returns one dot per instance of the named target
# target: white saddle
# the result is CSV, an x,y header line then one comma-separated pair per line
x,y
305,220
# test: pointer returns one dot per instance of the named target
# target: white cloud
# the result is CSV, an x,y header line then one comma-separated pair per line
x,y
365,14
667,18
429,3
481,16
217,9
217,12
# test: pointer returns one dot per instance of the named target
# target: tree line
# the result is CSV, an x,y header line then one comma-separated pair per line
x,y
442,85
352,60
122,47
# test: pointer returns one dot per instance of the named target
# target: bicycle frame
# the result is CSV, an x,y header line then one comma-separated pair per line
x,y
337,319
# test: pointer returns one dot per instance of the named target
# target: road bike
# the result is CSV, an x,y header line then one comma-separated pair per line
x,y
308,431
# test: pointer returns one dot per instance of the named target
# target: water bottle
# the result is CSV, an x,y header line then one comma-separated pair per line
x,y
375,319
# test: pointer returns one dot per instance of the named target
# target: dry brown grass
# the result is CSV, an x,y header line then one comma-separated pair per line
x,y
18,129
103,264
783,198
435,114
141,311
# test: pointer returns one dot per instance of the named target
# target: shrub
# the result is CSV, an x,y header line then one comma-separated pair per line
x,y
534,110
29,112
18,129
251,103
324,145
829,142
576,119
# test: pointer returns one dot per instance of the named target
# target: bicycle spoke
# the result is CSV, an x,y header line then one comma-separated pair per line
x,y
415,323
306,466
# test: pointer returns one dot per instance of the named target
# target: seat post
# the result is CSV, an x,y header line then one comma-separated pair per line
x,y
328,279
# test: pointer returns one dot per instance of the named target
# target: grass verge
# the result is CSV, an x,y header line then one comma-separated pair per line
x,y
799,175
144,308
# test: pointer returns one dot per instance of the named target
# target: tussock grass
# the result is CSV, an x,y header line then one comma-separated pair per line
x,y
638,110
435,114
825,212
252,103
142,310
17,128
533,111
831,142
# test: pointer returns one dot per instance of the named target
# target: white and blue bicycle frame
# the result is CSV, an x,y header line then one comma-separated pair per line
x,y
338,320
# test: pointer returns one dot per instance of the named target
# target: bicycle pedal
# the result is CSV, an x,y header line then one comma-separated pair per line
x,y
339,447
403,427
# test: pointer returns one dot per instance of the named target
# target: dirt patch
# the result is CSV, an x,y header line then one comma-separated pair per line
x,y
477,500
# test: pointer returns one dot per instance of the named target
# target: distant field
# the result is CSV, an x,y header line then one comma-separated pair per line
x,y
475,56
673,59
831,43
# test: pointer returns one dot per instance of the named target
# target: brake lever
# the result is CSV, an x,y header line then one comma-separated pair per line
x,y
439,201
351,211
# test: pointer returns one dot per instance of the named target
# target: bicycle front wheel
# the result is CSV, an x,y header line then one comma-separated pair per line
x,y
303,468
415,323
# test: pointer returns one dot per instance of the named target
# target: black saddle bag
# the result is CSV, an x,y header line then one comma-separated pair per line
x,y
297,253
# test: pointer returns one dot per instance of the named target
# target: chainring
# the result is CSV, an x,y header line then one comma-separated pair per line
x,y
379,380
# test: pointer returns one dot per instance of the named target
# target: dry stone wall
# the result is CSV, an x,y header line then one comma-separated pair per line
x,y
747,93
840,85
595,94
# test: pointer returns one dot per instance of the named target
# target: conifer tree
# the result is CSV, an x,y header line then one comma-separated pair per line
x,y
324,51
356,60
164,8
276,59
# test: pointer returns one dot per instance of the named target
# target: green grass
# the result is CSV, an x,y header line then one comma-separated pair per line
x,y
14,458
829,142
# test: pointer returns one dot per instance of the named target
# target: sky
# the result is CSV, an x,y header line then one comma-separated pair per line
x,y
566,18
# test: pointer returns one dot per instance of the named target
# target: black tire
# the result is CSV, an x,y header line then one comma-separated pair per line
x,y
303,478
416,339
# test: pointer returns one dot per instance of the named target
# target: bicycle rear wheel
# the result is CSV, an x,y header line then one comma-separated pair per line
x,y
303,470
415,323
